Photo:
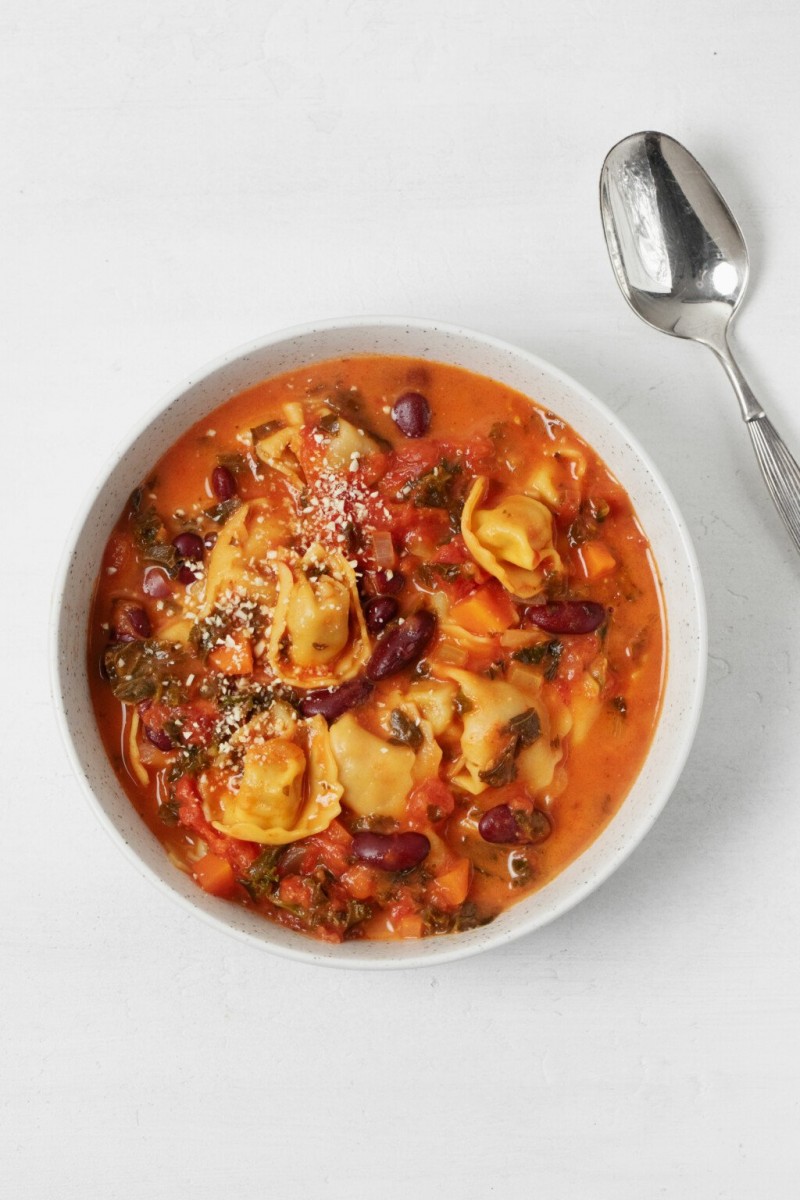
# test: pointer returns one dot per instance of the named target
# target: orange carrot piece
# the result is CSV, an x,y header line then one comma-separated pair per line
x,y
451,889
597,560
215,875
236,659
487,610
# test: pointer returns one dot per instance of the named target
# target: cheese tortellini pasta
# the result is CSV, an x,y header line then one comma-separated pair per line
x,y
319,636
513,541
289,784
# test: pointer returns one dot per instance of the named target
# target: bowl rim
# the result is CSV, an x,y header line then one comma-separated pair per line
x,y
450,950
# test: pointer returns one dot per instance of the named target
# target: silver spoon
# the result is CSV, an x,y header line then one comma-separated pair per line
x,y
681,263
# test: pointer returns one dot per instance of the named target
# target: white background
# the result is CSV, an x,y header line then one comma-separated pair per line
x,y
182,176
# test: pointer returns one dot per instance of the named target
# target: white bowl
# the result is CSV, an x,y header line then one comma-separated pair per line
x,y
285,351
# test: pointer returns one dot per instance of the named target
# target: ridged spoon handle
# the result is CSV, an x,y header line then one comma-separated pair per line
x,y
781,472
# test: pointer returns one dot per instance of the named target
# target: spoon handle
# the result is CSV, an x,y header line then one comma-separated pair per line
x,y
781,472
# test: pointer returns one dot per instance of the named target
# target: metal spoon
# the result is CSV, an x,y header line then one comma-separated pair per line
x,y
681,263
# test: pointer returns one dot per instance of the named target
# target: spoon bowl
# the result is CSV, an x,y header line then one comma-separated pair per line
x,y
681,262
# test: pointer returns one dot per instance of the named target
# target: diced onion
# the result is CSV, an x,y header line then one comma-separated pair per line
x,y
383,550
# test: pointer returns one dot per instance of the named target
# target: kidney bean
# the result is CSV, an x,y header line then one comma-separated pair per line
x,y
156,583
505,825
401,645
498,825
223,483
391,851
158,737
330,704
129,622
411,414
566,616
384,583
379,611
189,545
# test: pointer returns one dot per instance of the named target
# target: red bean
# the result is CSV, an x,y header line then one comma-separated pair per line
x,y
411,414
391,851
401,645
158,737
566,616
189,545
223,483
156,583
129,622
331,703
384,583
507,826
498,825
379,611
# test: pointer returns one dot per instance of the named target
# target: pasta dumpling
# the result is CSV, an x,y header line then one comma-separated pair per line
x,y
319,636
289,786
509,732
513,541
376,775
347,444
278,450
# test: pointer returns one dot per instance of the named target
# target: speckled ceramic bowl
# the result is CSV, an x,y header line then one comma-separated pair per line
x,y
287,350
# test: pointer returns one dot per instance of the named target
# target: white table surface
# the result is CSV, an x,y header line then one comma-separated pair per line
x,y
182,176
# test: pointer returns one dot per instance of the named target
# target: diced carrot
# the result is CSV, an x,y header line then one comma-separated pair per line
x,y
486,610
359,881
597,560
215,875
451,889
236,659
409,927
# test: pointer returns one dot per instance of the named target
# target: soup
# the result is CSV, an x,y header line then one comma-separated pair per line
x,y
377,649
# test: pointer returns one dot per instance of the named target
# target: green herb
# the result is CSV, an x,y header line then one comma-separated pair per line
x,y
466,917
220,513
523,729
428,572
163,554
263,873
504,769
620,704
526,727
236,463
268,427
190,761
445,486
329,422
534,826
462,704
138,670
521,870
405,732
168,812
546,653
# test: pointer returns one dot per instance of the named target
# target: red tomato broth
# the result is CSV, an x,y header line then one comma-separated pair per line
x,y
314,884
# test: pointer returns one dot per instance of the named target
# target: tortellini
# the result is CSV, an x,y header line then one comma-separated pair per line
x,y
289,786
278,450
319,637
495,709
513,542
239,555
558,477
347,444
376,775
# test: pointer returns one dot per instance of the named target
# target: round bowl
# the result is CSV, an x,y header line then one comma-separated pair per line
x,y
287,350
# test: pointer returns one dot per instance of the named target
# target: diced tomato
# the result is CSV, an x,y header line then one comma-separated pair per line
x,y
428,803
359,881
119,552
331,849
241,855
296,891
455,551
